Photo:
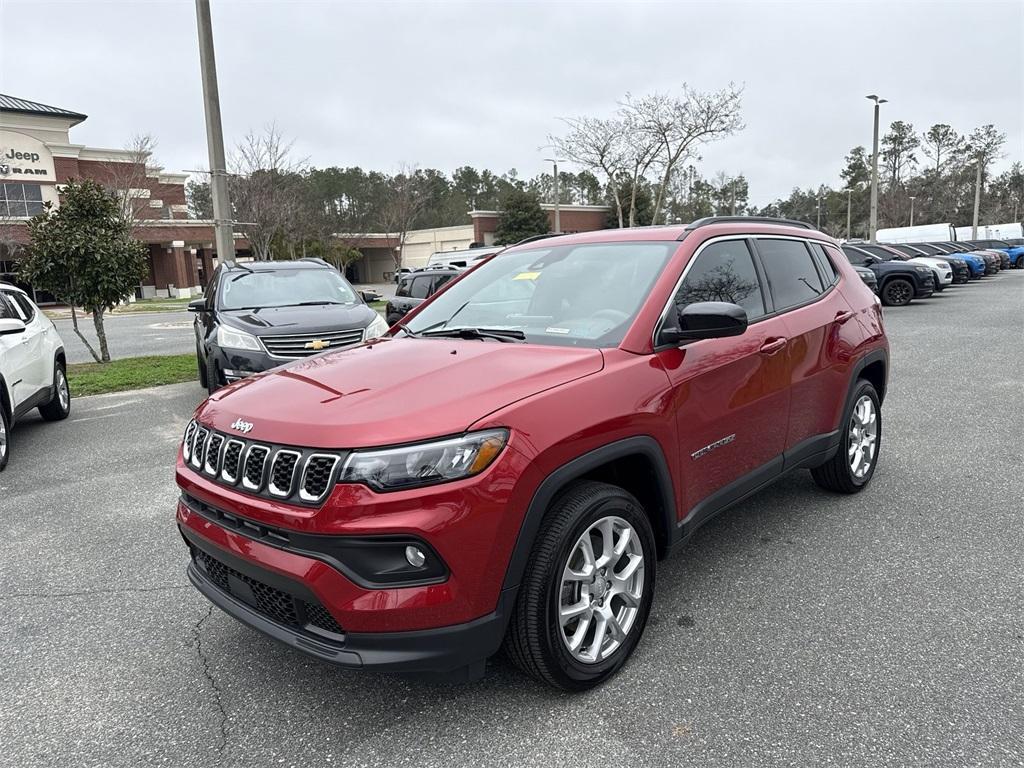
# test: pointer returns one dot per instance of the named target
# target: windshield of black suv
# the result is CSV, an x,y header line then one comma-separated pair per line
x,y
261,289
570,295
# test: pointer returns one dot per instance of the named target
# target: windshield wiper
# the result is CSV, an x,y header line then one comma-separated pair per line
x,y
312,303
408,331
500,334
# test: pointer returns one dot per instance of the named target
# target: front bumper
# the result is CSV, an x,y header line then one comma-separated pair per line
x,y
460,647
235,364
925,287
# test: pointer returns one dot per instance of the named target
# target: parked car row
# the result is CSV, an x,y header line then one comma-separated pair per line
x,y
903,272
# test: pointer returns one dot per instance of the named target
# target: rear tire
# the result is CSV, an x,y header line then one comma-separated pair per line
x,y
602,592
897,292
861,440
1019,263
59,406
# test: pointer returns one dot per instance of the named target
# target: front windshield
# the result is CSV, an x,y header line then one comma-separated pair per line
x,y
570,295
260,289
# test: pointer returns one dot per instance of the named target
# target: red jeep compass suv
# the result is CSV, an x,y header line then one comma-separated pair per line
x,y
511,463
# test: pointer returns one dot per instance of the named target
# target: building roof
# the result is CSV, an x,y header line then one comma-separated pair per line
x,y
25,107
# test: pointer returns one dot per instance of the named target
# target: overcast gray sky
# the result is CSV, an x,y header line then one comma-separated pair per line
x,y
449,84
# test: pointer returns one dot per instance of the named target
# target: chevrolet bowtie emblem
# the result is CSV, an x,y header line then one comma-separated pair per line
x,y
318,344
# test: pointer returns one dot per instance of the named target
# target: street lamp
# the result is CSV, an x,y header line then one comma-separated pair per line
x,y
873,221
849,192
819,210
558,214
912,198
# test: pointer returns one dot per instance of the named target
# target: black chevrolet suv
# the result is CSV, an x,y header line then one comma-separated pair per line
x,y
898,282
260,315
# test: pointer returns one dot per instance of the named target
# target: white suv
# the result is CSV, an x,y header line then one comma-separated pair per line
x,y
32,365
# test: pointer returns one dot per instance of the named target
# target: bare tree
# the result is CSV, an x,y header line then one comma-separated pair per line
x,y
127,181
598,145
404,203
655,131
264,189
680,124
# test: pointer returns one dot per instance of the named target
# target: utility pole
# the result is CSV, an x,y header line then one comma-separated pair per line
x,y
977,198
558,210
819,210
849,204
911,210
222,219
873,221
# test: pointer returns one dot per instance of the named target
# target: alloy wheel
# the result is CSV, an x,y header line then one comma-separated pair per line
x,y
863,436
899,293
63,394
3,437
601,590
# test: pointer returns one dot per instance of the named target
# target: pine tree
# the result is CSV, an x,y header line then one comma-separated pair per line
x,y
521,217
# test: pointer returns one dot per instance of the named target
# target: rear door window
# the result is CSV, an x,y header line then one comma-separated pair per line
x,y
793,278
825,265
856,257
420,287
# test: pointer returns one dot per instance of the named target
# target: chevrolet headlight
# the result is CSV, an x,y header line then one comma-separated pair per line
x,y
377,328
392,469
230,338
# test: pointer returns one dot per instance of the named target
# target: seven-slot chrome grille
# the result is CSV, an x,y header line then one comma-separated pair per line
x,y
280,472
305,344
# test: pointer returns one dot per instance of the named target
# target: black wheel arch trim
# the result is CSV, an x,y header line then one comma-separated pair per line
x,y
642,445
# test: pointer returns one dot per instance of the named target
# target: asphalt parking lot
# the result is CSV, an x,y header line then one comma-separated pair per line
x,y
799,628
131,335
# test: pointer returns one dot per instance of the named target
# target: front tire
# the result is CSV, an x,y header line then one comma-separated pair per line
x,y
853,466
212,382
1019,263
897,292
201,365
584,602
59,406
5,436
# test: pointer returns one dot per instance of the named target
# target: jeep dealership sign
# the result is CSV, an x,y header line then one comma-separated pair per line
x,y
24,158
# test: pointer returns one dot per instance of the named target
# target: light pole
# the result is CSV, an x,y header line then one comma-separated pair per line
x,y
222,223
912,198
977,197
558,213
873,220
819,210
849,192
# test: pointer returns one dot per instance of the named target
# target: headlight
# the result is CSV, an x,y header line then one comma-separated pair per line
x,y
377,328
229,338
392,469
924,270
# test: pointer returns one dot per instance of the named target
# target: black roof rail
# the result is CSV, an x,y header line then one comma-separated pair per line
x,y
538,237
709,220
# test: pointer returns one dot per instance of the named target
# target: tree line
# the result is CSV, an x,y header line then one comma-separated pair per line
x,y
937,168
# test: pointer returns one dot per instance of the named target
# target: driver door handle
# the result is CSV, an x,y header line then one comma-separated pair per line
x,y
771,346
842,317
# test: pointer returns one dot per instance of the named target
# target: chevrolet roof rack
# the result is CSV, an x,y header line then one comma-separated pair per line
x,y
708,220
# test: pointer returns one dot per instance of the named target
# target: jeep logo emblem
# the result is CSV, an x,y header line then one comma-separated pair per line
x,y
245,427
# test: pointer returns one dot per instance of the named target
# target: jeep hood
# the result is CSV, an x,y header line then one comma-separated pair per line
x,y
392,391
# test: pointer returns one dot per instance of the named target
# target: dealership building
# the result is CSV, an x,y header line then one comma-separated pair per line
x,y
37,156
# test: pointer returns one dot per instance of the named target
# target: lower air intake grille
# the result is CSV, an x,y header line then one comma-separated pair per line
x,y
270,601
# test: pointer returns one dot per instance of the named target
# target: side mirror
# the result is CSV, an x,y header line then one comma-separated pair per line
x,y
707,320
9,326
370,296
197,305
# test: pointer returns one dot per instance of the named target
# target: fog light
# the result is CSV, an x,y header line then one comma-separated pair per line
x,y
415,556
